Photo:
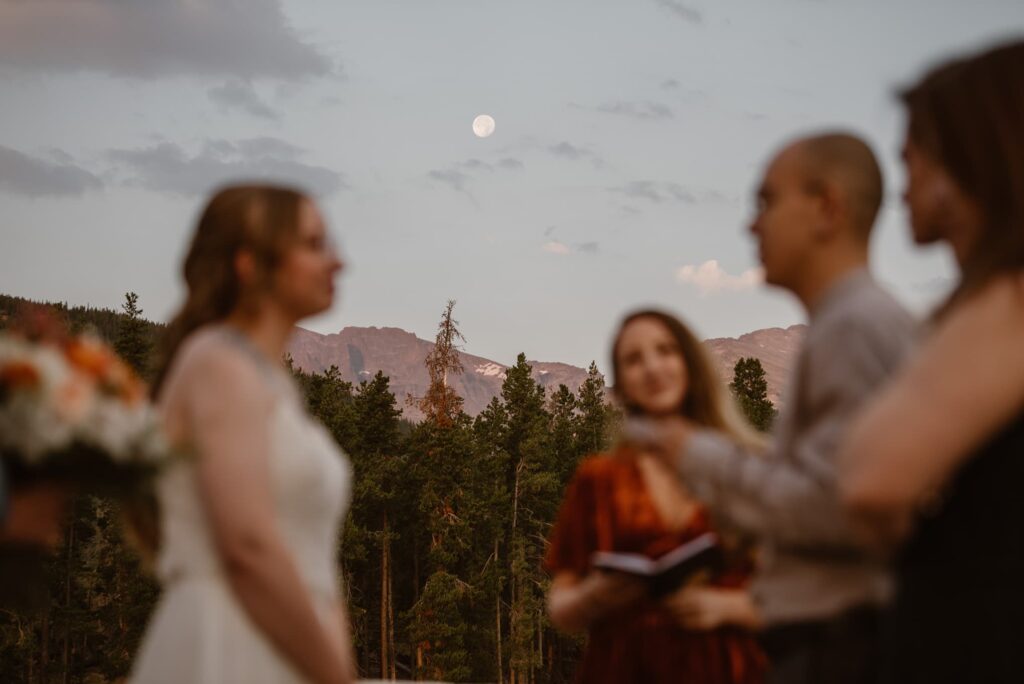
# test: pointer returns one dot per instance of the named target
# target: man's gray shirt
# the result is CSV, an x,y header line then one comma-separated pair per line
x,y
810,566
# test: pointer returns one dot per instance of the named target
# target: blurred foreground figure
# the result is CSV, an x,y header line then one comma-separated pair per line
x,y
250,525
30,527
936,464
628,501
74,421
818,591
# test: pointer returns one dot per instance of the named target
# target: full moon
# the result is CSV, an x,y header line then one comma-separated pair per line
x,y
483,126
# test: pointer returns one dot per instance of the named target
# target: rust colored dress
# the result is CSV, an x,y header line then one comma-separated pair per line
x,y
607,508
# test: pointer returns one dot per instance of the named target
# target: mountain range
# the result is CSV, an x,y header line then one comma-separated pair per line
x,y
359,352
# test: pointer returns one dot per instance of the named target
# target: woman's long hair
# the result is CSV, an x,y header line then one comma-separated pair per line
x,y
968,115
707,401
260,219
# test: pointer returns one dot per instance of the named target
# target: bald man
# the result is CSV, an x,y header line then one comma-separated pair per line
x,y
817,592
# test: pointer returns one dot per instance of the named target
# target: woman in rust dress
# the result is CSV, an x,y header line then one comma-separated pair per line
x,y
626,501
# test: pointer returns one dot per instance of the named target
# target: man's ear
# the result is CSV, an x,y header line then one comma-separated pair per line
x,y
831,206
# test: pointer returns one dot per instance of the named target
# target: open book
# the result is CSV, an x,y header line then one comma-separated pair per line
x,y
664,575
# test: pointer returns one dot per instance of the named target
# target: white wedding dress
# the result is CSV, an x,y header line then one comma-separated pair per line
x,y
200,634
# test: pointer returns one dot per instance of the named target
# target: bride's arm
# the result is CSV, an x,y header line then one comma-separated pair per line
x,y
229,408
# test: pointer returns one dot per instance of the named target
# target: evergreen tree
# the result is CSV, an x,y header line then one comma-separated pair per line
x,y
440,630
491,426
750,388
564,424
378,467
376,415
331,399
133,343
533,484
456,500
442,404
456,496
595,419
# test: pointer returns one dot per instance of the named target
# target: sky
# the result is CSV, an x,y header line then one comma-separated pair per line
x,y
630,135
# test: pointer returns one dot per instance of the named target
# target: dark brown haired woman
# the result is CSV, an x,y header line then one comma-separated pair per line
x,y
628,501
935,466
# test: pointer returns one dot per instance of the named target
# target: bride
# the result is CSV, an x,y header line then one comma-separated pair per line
x,y
249,526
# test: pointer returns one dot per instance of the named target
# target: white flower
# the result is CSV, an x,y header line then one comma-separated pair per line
x,y
29,421
50,405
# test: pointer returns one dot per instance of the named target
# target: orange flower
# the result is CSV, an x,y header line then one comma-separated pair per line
x,y
132,390
89,356
122,381
16,374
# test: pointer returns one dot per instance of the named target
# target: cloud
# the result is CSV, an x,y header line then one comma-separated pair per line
x,y
664,191
562,249
575,153
23,174
711,278
670,84
646,110
154,38
265,146
564,149
572,152
166,167
236,94
682,11
61,156
656,192
458,175
510,164
453,177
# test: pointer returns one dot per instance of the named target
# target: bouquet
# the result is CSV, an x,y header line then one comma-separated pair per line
x,y
72,412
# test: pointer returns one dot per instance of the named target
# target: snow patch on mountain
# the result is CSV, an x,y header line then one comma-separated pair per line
x,y
490,370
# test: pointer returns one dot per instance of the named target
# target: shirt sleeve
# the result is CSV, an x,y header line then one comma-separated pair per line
x,y
789,495
574,536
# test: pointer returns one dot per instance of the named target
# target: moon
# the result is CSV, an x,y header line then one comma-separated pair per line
x,y
483,125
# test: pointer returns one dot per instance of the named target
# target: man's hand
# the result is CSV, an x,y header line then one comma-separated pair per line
x,y
706,608
663,437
